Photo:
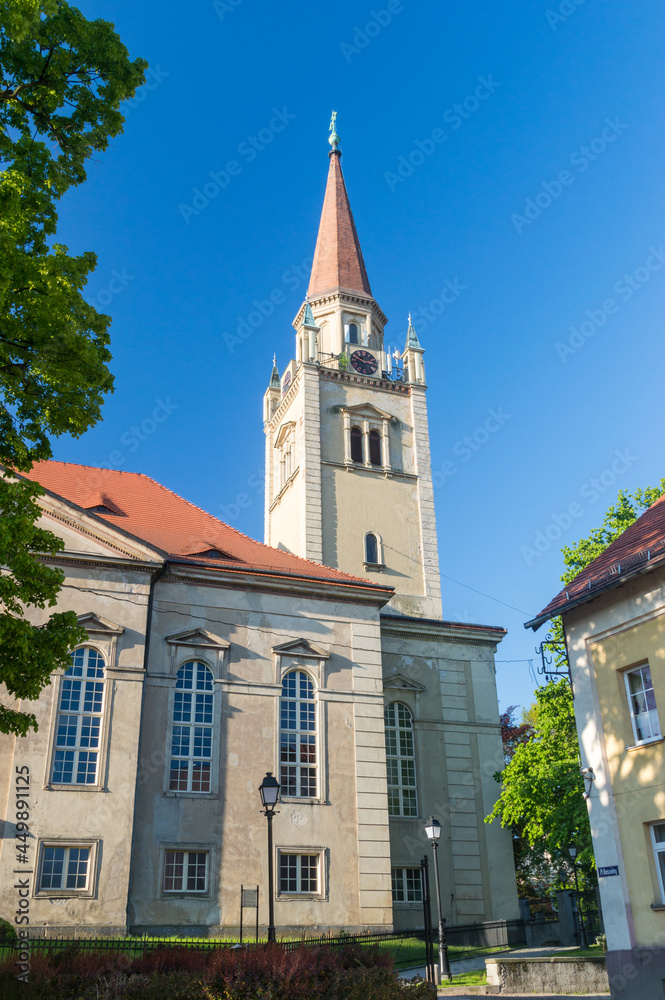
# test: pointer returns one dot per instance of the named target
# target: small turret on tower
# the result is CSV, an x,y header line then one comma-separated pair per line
x,y
307,336
414,367
273,393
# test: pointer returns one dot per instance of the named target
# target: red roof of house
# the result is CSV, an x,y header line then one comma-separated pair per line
x,y
135,504
338,259
640,548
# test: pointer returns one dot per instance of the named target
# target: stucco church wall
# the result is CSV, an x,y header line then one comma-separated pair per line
x,y
456,726
248,687
95,814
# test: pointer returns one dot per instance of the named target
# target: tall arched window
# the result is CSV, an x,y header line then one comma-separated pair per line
x,y
371,548
356,444
79,723
191,738
297,741
400,760
353,333
375,448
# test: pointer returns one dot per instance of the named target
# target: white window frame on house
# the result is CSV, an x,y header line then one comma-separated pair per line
x,y
202,725
303,655
367,419
285,447
300,854
404,894
80,732
378,563
659,856
68,847
104,637
403,790
188,850
299,739
641,698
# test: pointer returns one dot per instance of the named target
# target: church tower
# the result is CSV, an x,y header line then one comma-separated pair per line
x,y
348,474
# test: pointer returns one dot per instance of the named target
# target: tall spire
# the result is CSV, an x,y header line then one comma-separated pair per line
x,y
338,259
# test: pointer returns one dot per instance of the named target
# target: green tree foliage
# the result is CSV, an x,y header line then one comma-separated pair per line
x,y
541,785
541,793
62,79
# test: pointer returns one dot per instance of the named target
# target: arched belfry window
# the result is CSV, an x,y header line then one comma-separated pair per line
x,y
79,722
297,736
353,333
400,761
191,736
356,444
373,549
375,448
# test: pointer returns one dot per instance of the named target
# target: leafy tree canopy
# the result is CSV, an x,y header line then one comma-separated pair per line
x,y
62,79
542,787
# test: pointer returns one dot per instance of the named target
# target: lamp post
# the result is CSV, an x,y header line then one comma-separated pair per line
x,y
269,790
433,831
572,850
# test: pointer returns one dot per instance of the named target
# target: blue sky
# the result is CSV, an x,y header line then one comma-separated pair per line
x,y
512,152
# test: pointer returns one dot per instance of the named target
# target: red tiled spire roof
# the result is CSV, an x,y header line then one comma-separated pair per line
x,y
640,548
338,259
144,509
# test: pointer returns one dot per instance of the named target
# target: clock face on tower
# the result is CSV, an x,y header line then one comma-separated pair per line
x,y
364,362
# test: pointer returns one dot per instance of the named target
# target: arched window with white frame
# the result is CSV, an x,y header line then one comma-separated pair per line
x,y
79,721
373,549
190,757
400,760
297,736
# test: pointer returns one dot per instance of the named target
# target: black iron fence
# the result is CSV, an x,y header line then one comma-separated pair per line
x,y
406,948
588,918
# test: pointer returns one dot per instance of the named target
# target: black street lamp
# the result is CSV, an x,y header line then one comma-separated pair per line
x,y
433,831
269,789
572,850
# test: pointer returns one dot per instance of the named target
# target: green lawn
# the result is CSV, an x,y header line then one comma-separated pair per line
x,y
595,951
478,978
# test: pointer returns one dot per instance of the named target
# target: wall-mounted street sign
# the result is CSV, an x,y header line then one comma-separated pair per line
x,y
608,870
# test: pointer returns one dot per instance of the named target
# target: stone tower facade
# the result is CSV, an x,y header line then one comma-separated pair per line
x,y
348,473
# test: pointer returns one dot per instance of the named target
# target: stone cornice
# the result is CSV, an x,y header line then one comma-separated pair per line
x,y
428,630
380,384
266,582
94,559
342,297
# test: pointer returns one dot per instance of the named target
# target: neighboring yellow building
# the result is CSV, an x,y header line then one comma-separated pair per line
x,y
614,620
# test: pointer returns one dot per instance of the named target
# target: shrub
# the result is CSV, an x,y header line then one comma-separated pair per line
x,y
268,972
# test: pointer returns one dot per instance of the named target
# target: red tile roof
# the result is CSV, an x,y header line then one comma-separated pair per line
x,y
148,511
338,259
639,549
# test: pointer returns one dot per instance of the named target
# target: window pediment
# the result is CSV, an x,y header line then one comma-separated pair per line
x,y
199,638
366,410
95,625
301,647
401,683
284,432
